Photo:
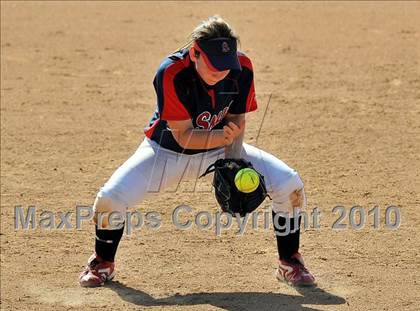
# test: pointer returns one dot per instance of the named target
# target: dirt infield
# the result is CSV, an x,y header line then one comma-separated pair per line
x,y
76,93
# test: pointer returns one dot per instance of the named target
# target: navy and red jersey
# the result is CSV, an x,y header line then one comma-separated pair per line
x,y
182,95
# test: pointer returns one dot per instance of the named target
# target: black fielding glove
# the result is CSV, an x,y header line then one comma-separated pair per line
x,y
230,199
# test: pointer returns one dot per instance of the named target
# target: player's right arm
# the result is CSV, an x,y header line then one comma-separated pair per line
x,y
190,138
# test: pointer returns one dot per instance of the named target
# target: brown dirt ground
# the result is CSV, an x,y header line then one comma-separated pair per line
x,y
76,93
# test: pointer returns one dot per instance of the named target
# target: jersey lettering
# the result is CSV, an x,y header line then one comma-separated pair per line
x,y
207,121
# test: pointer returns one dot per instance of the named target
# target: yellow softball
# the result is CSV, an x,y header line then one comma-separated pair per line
x,y
247,180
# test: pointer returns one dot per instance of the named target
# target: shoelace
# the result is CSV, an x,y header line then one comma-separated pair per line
x,y
299,265
93,263
92,267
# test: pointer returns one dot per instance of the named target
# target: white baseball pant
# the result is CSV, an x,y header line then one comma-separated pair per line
x,y
152,169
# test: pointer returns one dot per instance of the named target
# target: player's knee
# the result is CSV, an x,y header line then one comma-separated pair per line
x,y
290,196
106,205
298,199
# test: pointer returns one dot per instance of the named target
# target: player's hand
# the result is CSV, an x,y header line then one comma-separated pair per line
x,y
231,131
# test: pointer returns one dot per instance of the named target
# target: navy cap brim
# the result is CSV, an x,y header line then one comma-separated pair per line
x,y
221,52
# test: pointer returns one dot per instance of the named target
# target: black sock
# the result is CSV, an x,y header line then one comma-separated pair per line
x,y
106,242
287,243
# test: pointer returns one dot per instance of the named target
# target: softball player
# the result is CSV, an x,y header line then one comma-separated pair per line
x,y
203,92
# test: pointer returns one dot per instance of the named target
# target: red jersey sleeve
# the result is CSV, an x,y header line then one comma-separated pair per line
x,y
172,107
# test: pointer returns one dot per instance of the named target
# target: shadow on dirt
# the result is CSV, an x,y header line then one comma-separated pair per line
x,y
234,300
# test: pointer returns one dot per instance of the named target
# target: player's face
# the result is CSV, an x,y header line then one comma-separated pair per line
x,y
209,76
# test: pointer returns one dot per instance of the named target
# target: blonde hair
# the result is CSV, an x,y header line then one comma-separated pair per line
x,y
213,27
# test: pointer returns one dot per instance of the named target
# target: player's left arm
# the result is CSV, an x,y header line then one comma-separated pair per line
x,y
235,122
245,102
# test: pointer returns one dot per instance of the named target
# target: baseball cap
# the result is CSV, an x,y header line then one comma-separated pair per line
x,y
219,53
